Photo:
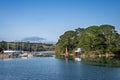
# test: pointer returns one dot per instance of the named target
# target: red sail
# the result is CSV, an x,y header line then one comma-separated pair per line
x,y
66,52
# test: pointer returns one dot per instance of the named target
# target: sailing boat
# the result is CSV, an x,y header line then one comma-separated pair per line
x,y
66,53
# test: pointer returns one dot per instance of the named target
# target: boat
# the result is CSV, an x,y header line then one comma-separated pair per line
x,y
77,54
25,55
77,59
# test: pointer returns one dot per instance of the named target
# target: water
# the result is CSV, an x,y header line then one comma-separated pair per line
x,y
50,68
103,61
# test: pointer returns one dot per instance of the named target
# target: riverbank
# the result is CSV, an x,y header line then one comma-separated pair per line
x,y
5,56
27,54
97,55
89,55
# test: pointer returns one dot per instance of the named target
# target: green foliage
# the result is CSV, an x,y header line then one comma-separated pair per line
x,y
66,40
99,39
3,45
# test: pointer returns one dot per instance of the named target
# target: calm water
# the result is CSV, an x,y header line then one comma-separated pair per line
x,y
54,69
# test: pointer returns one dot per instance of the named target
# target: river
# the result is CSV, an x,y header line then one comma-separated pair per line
x,y
50,68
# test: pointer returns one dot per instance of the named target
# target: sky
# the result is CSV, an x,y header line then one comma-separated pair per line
x,y
49,19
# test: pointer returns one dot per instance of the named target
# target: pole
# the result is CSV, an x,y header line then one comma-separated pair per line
x,y
8,46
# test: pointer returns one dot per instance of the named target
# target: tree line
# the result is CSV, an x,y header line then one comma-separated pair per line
x,y
25,46
103,39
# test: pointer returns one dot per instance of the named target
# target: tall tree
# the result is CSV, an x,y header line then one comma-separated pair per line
x,y
100,39
65,40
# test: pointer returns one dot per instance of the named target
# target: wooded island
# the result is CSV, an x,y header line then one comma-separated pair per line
x,y
94,40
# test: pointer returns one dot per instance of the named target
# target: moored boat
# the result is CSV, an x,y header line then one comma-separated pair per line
x,y
77,59
77,54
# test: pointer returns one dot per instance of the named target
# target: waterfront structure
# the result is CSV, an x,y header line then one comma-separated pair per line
x,y
77,54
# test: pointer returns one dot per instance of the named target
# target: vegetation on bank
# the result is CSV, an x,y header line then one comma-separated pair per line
x,y
102,61
26,46
103,39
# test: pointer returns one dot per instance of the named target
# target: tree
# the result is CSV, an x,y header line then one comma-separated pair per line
x,y
66,40
3,45
99,39
111,37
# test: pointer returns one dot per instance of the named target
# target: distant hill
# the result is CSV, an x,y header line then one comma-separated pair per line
x,y
33,39
36,39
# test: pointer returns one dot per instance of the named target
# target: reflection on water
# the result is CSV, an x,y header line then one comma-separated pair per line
x,y
50,68
103,61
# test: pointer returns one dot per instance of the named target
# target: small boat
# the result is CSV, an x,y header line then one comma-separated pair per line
x,y
24,57
77,54
77,59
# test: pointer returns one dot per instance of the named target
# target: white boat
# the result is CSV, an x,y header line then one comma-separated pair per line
x,y
77,59
9,51
77,54
24,57
12,51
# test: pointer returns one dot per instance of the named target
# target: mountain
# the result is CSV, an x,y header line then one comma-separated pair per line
x,y
33,39
37,39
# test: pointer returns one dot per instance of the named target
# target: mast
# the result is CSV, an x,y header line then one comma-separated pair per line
x,y
8,45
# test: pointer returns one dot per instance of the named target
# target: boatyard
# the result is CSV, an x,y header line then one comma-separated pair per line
x,y
27,54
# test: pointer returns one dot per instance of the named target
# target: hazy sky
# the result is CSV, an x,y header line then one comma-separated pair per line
x,y
51,18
